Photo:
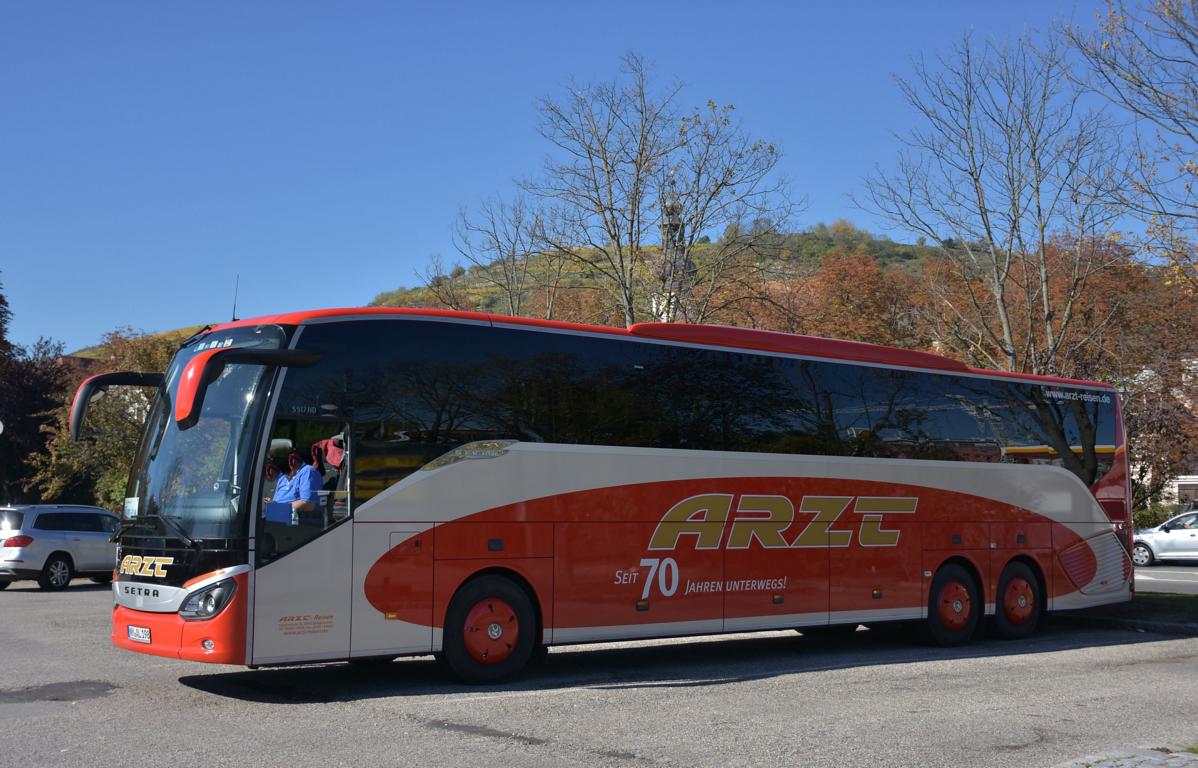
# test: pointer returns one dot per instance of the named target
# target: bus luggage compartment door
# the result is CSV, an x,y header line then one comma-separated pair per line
x,y
393,589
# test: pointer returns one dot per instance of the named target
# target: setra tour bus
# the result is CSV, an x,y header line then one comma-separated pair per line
x,y
481,487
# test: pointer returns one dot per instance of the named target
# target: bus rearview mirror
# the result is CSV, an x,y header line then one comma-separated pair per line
x,y
93,388
206,367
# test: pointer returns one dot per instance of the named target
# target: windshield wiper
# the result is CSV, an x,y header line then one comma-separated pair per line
x,y
194,336
180,534
128,525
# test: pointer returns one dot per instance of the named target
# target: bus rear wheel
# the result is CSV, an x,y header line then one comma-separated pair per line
x,y
1019,599
490,631
953,606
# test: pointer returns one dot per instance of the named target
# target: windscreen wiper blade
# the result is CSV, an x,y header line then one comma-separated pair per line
x,y
177,529
127,525
194,336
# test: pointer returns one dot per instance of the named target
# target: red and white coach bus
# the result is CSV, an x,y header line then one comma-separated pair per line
x,y
493,485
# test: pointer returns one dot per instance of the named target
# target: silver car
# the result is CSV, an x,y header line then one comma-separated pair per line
x,y
1176,538
54,544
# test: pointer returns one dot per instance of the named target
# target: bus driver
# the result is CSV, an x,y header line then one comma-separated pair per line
x,y
300,486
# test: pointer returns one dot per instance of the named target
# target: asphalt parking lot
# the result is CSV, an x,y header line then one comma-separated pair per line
x,y
878,699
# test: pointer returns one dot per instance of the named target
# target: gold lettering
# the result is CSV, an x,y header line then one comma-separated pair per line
x,y
700,516
780,513
872,533
827,510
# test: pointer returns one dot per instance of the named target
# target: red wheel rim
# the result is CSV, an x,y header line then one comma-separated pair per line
x,y
952,606
1018,601
491,631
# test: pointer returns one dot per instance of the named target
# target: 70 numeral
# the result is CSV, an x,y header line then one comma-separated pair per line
x,y
666,570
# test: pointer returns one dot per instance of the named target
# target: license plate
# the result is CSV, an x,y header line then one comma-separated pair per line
x,y
139,634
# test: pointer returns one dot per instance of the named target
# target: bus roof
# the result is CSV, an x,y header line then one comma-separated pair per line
x,y
704,335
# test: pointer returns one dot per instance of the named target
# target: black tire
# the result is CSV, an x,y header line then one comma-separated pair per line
x,y
954,606
1144,554
57,573
4,584
498,607
539,656
1019,602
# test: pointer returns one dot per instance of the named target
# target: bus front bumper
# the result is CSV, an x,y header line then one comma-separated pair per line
x,y
219,640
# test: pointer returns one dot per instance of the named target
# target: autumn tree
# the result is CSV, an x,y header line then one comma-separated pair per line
x,y
1015,182
95,469
851,297
1148,351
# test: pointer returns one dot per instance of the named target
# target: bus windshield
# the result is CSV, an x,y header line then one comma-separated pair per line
x,y
193,479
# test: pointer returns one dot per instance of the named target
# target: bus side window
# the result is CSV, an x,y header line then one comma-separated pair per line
x,y
304,484
385,452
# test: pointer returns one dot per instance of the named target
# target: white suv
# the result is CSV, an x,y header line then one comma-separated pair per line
x,y
54,544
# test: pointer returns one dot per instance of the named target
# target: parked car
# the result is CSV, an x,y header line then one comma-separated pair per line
x,y
1174,538
56,543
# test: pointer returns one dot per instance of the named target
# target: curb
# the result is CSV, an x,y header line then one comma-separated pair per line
x,y
1183,629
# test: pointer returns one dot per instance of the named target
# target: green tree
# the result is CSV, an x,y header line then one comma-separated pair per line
x,y
32,383
5,316
96,468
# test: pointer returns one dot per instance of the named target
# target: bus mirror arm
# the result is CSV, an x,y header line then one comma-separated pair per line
x,y
94,387
206,367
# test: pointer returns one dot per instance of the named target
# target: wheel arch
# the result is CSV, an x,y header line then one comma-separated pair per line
x,y
1036,570
970,567
520,581
65,553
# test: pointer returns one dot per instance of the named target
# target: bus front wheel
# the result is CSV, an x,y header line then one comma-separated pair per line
x,y
953,606
1019,598
490,630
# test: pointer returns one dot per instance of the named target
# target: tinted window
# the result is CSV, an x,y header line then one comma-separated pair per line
x,y
89,521
108,524
414,390
51,521
11,520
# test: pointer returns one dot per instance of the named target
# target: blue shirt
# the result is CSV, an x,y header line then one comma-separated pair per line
x,y
304,486
283,489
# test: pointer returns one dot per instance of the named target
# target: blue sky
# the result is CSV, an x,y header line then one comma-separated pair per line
x,y
150,152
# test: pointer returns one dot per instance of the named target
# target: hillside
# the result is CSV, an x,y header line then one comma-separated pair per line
x,y
795,252
97,351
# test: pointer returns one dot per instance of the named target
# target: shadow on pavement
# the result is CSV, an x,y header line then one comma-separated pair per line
x,y
78,585
699,663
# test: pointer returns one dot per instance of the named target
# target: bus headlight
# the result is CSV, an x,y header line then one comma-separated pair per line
x,y
209,601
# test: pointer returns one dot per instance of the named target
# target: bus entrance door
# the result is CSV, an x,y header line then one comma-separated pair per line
x,y
304,547
301,600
